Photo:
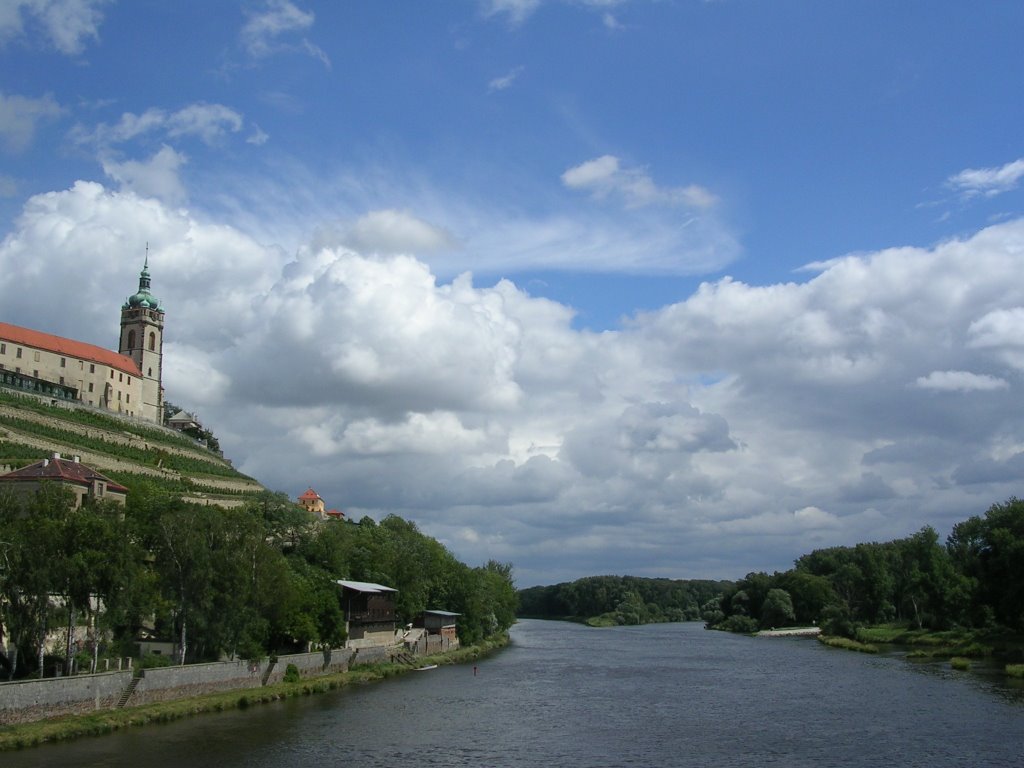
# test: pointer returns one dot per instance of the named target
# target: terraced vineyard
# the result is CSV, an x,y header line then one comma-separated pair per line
x,y
124,449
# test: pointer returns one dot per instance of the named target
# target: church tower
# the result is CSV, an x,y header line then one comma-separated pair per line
x,y
142,339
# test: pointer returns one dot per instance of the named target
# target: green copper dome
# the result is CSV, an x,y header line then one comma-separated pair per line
x,y
143,299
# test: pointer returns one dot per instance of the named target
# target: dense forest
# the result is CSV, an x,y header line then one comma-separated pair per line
x,y
611,600
973,580
243,582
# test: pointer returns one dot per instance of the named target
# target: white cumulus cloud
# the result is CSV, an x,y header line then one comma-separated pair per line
x,y
732,430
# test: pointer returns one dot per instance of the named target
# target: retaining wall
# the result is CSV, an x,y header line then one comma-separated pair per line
x,y
168,683
27,700
373,654
428,645
312,664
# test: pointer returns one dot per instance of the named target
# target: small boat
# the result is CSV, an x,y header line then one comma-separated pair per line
x,y
424,669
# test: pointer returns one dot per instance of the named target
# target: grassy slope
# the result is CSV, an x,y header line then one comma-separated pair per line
x,y
124,450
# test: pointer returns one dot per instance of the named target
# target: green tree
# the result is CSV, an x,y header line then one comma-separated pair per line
x,y
29,570
777,609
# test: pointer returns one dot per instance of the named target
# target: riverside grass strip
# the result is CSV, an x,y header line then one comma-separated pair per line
x,y
110,720
847,644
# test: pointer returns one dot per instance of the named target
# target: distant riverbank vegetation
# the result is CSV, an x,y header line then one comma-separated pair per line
x,y
243,583
620,600
963,597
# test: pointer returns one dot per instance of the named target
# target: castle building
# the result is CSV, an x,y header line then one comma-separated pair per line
x,y
128,381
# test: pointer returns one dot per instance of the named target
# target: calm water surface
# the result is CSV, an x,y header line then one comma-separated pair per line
x,y
562,694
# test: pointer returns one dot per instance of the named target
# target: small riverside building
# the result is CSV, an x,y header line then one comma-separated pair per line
x,y
84,482
369,613
441,623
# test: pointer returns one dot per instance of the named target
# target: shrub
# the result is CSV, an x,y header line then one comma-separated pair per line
x,y
959,662
738,623
1015,670
152,660
291,674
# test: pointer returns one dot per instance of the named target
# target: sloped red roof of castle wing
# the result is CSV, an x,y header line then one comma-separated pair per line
x,y
69,347
309,495
64,471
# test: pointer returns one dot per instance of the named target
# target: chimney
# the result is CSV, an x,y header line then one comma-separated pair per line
x,y
55,456
46,462
76,459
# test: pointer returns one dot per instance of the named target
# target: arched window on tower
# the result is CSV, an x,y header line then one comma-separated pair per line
x,y
152,341
131,340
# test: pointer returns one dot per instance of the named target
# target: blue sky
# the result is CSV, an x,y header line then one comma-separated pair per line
x,y
663,287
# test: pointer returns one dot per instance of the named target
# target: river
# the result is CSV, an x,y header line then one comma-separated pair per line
x,y
563,694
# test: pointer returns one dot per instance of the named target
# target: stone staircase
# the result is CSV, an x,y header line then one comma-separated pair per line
x,y
270,668
127,692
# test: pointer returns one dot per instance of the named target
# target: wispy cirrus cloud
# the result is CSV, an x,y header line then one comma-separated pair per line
x,y
19,116
207,122
604,176
505,81
987,182
272,30
517,11
960,381
156,177
67,25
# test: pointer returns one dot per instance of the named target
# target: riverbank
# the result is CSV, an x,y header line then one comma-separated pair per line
x,y
108,721
791,632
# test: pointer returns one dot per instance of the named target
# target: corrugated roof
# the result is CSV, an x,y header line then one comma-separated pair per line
x,y
443,613
63,470
68,347
364,586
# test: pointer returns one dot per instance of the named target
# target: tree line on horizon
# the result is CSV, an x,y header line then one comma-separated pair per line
x,y
238,583
975,579
621,600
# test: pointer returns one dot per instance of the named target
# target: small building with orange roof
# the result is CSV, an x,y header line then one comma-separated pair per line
x,y
313,502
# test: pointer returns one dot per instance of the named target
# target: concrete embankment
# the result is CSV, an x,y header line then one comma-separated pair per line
x,y
26,701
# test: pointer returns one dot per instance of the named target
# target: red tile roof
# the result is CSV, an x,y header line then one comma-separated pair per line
x,y
79,349
310,495
64,470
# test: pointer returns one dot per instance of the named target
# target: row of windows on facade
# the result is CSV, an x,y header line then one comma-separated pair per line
x,y
63,364
53,390
35,375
